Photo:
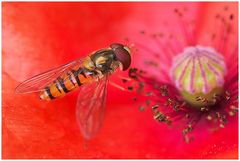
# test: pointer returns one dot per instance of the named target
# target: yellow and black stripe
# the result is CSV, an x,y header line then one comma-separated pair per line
x,y
66,83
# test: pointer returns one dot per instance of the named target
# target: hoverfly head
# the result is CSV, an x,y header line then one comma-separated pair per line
x,y
122,54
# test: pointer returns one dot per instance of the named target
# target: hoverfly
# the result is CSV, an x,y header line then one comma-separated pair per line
x,y
91,74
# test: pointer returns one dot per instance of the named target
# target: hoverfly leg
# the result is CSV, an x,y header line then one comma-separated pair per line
x,y
118,86
124,78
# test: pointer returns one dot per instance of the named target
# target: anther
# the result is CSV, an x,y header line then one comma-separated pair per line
x,y
141,108
155,106
134,98
133,73
187,116
204,109
169,101
130,88
164,90
221,125
209,117
227,95
149,93
140,87
176,107
148,102
124,80
161,117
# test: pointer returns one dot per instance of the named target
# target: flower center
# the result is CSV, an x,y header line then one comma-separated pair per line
x,y
198,73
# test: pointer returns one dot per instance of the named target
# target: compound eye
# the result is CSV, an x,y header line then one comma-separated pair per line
x,y
116,45
123,57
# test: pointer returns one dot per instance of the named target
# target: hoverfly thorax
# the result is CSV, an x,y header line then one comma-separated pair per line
x,y
105,61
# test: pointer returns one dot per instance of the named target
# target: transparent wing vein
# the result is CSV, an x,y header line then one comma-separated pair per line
x,y
38,82
91,107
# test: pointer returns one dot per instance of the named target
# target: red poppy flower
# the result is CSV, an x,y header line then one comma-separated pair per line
x,y
39,36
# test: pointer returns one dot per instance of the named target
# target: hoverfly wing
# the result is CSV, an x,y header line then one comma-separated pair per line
x,y
40,81
91,107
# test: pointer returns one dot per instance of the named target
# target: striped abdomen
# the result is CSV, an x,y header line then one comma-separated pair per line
x,y
65,83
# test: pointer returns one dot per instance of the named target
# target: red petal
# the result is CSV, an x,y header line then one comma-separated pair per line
x,y
39,36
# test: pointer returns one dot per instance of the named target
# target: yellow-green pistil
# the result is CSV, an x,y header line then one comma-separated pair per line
x,y
198,73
